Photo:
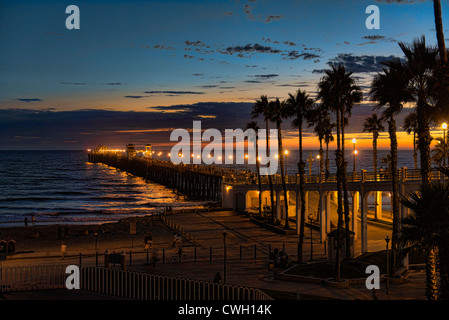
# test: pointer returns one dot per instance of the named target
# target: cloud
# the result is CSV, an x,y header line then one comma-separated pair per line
x,y
294,54
400,1
74,83
358,64
136,97
29,99
374,37
273,18
161,46
250,48
266,76
173,92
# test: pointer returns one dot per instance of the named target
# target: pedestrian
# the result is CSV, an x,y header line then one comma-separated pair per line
x,y
26,221
59,233
217,278
63,250
33,219
66,232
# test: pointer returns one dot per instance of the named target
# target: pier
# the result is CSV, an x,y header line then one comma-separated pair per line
x,y
193,181
239,190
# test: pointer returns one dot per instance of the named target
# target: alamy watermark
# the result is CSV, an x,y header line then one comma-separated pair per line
x,y
189,149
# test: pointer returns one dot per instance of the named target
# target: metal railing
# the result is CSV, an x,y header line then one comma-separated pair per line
x,y
28,278
362,176
143,286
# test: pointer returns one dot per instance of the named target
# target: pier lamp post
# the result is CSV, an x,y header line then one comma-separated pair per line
x,y
286,161
318,163
444,126
387,240
246,163
224,255
354,153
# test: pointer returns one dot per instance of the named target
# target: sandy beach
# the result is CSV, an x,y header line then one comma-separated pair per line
x,y
46,240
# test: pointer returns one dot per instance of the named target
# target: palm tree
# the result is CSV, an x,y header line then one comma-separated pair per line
x,y
328,127
439,30
319,118
299,106
253,125
261,107
390,90
374,125
426,228
337,91
278,110
411,125
421,62
440,151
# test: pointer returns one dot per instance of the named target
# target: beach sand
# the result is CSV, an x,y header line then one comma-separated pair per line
x,y
44,240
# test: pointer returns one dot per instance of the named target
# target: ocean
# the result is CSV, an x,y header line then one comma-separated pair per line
x,y
63,187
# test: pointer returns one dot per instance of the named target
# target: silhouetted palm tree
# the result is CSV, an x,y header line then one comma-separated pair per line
x,y
261,107
390,90
328,127
426,228
439,30
421,62
319,118
411,125
440,151
253,125
299,107
374,125
279,111
338,91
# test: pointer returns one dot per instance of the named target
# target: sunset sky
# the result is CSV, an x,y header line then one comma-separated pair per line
x,y
136,70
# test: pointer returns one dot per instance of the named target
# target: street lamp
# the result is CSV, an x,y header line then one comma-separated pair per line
x,y
444,126
286,161
354,152
246,163
224,255
387,240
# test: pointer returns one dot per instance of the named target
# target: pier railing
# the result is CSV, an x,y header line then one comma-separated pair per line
x,y
362,176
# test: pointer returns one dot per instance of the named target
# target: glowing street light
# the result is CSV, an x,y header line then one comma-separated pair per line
x,y
444,126
286,161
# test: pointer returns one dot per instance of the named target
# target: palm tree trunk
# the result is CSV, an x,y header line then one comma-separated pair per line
x,y
439,30
284,186
345,189
301,166
375,153
395,187
443,253
270,179
327,161
431,275
424,140
415,155
338,160
258,174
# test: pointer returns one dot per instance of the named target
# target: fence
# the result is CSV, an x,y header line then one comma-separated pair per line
x,y
28,278
142,286
123,284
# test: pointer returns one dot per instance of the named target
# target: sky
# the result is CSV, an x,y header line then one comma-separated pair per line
x,y
136,70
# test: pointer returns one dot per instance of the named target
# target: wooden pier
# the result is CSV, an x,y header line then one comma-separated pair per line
x,y
193,181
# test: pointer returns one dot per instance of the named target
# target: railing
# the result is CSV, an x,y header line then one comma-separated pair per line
x,y
27,278
143,286
363,176
123,284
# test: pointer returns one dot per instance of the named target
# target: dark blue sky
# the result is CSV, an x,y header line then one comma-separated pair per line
x,y
148,56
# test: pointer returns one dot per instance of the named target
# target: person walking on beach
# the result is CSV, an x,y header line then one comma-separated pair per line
x,y
59,233
63,250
